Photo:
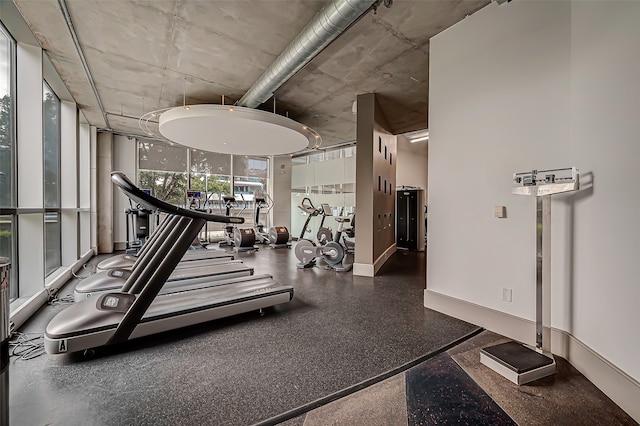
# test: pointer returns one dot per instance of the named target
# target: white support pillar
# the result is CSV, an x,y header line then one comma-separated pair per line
x,y
104,192
69,181
30,169
84,185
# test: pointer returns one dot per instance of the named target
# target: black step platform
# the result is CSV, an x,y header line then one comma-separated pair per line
x,y
517,362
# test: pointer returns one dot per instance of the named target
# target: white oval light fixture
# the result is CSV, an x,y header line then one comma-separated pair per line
x,y
235,130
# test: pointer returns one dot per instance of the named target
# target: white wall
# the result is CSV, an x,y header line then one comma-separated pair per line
x,y
534,85
412,163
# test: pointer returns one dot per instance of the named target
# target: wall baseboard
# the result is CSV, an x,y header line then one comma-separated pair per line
x,y
623,389
363,270
370,270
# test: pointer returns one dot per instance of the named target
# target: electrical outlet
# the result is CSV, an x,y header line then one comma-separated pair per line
x,y
506,294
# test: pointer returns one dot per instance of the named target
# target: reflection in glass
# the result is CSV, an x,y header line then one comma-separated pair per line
x,y
249,166
51,172
166,186
245,189
162,156
51,142
6,250
52,243
212,163
7,133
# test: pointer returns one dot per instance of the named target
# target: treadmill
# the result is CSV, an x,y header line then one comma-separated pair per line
x,y
126,261
142,307
114,279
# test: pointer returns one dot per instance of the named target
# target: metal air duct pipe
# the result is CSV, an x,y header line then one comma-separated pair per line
x,y
334,18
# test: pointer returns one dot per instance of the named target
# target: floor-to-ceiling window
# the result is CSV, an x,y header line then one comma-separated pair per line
x,y
250,175
43,227
170,170
210,173
7,151
162,168
51,174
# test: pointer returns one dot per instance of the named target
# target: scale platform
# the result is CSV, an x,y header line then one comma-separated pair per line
x,y
517,362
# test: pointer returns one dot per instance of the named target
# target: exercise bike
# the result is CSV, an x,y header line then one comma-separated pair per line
x,y
277,236
332,253
349,237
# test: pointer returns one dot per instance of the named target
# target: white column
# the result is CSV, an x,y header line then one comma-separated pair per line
x,y
69,181
30,169
84,184
104,192
29,115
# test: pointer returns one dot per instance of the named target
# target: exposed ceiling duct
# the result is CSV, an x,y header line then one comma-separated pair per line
x,y
334,18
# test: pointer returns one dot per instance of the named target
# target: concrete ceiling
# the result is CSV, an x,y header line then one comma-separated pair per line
x,y
145,55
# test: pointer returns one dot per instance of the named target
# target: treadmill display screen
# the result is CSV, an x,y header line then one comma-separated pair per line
x,y
110,302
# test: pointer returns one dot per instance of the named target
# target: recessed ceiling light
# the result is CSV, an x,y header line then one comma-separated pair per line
x,y
420,139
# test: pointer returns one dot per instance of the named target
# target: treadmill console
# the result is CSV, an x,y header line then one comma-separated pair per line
x,y
119,302
119,273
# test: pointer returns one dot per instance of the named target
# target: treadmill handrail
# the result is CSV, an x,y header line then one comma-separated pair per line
x,y
153,203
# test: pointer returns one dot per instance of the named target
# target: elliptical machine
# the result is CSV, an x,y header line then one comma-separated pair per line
x,y
262,236
139,218
307,251
277,236
242,240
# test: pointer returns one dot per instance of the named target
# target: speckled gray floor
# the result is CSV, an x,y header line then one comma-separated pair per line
x,y
338,331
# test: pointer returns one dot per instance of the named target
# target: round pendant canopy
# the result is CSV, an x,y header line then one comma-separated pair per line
x,y
235,130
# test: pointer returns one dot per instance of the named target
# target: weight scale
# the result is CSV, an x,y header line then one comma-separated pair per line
x,y
519,363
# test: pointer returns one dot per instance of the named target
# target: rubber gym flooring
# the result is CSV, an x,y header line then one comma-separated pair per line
x,y
341,341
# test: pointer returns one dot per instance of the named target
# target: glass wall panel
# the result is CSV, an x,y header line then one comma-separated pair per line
x,y
51,140
7,121
246,165
324,178
212,187
315,158
52,242
332,155
349,152
6,249
211,174
162,156
245,189
168,170
299,160
250,178
212,163
51,188
167,186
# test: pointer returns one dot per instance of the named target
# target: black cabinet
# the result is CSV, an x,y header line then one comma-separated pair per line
x,y
410,219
